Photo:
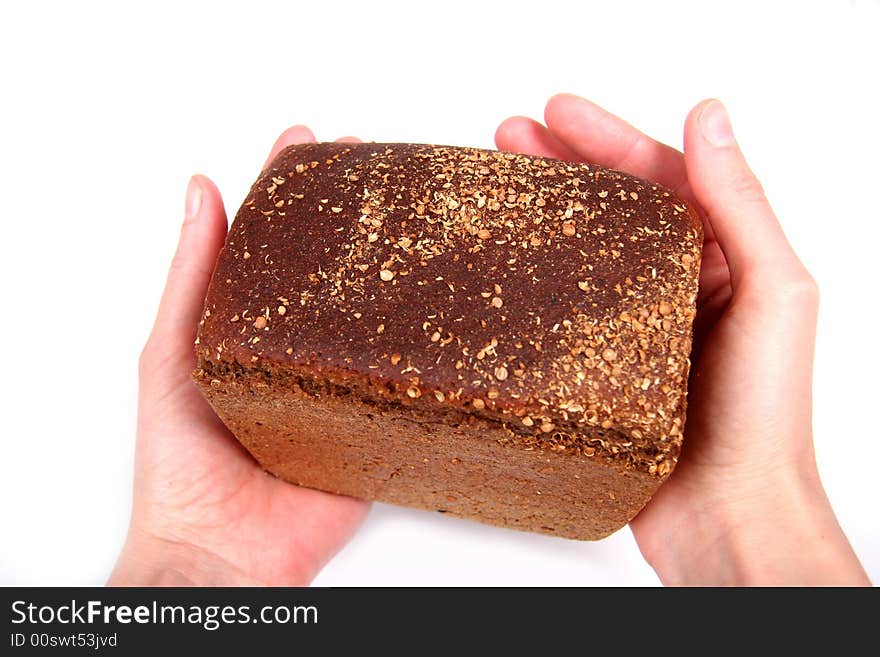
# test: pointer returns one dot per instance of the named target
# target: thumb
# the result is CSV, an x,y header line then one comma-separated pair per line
x,y
748,232
169,349
766,345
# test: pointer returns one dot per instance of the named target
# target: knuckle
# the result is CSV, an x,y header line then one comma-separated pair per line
x,y
798,290
748,188
184,265
783,293
804,289
146,359
179,263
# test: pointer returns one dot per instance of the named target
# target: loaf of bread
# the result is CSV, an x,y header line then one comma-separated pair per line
x,y
490,335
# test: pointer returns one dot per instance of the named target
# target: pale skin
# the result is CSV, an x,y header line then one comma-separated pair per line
x,y
744,506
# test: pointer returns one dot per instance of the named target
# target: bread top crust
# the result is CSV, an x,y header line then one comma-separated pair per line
x,y
550,295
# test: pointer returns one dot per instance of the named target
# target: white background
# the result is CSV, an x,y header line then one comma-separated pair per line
x,y
106,110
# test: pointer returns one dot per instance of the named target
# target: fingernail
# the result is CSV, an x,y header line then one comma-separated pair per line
x,y
193,197
715,124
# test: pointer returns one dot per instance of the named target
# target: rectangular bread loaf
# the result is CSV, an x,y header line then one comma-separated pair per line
x,y
500,337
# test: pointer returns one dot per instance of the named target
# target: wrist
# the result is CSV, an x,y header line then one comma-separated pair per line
x,y
777,531
149,560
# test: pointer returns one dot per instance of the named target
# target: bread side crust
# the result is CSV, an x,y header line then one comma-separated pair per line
x,y
402,456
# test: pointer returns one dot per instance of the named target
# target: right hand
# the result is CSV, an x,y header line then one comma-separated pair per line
x,y
745,504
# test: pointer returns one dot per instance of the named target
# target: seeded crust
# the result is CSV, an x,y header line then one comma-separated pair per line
x,y
492,306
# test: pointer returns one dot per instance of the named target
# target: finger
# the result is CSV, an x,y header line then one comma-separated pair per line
x,y
297,134
602,138
180,310
741,217
520,134
523,135
349,140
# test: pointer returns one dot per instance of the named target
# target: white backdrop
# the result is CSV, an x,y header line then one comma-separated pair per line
x,y
108,108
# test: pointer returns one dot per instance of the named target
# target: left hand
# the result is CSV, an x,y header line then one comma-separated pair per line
x,y
204,512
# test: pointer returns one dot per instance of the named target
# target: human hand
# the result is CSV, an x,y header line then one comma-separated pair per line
x,y
745,504
204,512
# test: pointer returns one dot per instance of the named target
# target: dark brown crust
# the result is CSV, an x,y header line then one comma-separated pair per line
x,y
553,301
